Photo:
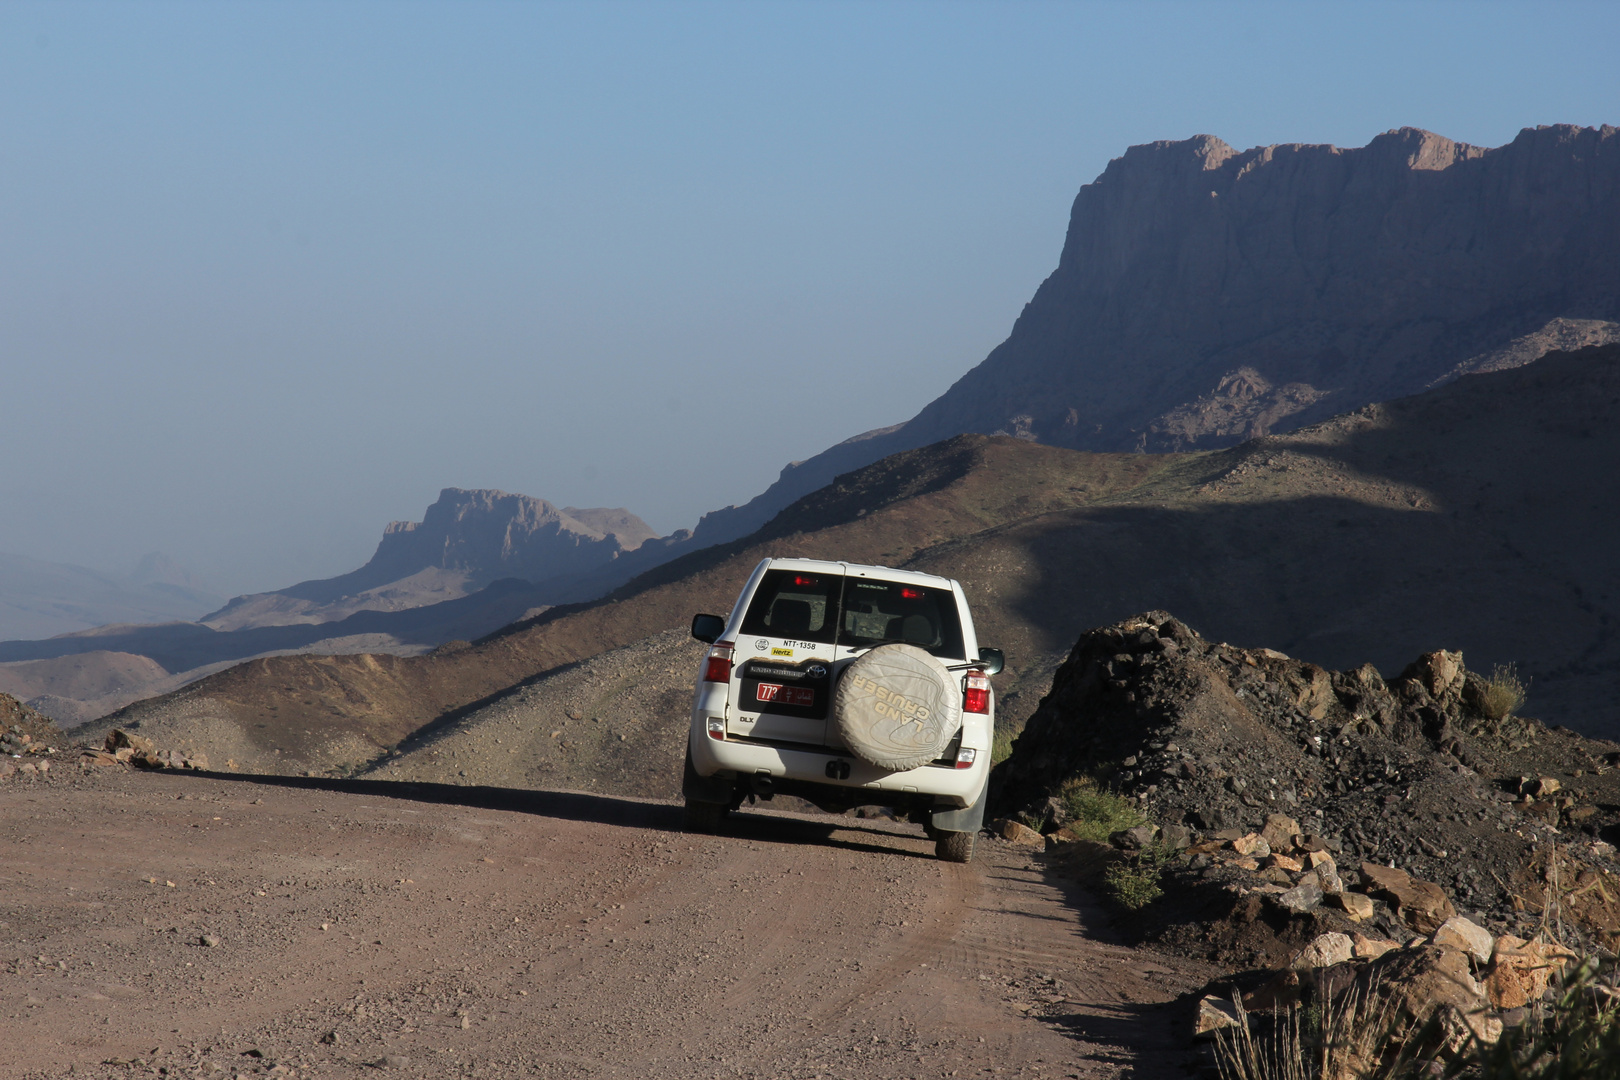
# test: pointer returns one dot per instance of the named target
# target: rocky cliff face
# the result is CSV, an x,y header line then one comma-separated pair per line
x,y
1206,295
465,541
491,534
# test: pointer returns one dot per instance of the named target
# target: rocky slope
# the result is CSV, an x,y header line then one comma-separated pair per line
x,y
1408,847
1421,772
1206,295
614,723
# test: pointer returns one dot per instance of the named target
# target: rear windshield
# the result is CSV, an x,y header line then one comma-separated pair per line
x,y
863,611
877,612
796,605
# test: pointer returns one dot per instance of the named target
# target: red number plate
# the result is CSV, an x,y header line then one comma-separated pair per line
x,y
785,695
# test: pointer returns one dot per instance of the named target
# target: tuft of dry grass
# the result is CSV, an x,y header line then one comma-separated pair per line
x,y
1341,1040
1001,747
1504,692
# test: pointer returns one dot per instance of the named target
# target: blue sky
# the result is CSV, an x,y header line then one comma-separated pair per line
x,y
271,275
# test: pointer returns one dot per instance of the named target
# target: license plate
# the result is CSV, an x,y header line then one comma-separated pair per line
x,y
785,695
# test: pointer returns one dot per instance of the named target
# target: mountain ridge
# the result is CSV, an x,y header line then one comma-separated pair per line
x,y
1206,295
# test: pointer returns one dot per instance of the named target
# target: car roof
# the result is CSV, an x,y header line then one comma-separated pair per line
x,y
887,573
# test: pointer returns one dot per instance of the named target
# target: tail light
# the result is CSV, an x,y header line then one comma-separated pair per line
x,y
718,667
716,728
965,757
976,698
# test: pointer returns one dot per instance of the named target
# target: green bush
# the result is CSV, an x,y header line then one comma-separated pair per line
x,y
1133,884
1001,746
1095,814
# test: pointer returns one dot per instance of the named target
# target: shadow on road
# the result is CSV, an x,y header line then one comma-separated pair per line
x,y
616,810
1130,1035
564,805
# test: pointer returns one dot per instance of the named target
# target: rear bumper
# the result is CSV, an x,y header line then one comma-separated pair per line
x,y
949,787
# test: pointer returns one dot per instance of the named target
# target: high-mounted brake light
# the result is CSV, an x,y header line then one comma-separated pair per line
x,y
965,757
976,698
911,594
718,667
800,579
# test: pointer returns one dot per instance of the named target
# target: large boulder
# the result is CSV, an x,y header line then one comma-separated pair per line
x,y
1422,905
1522,970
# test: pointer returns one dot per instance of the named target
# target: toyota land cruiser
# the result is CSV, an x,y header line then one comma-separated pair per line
x,y
844,685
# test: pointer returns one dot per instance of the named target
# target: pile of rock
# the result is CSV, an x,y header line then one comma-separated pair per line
x,y
17,742
1212,743
1458,984
1298,869
27,767
28,739
123,747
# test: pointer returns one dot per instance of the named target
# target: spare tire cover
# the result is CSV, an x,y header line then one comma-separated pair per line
x,y
897,707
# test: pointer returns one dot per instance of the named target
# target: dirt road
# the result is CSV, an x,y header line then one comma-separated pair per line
x,y
196,925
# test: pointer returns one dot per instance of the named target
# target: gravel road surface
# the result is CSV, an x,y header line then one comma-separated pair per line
x,y
222,926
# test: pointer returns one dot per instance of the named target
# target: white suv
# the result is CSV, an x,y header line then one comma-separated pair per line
x,y
844,685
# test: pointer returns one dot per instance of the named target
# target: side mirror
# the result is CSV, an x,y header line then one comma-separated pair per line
x,y
708,628
993,660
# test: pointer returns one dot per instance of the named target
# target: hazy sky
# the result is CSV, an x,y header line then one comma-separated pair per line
x,y
271,275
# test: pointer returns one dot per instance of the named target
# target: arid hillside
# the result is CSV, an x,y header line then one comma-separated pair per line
x,y
1475,517
320,712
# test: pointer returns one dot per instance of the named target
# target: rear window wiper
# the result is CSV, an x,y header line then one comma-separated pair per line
x,y
881,641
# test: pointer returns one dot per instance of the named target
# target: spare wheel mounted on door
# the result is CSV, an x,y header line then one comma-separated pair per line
x,y
897,707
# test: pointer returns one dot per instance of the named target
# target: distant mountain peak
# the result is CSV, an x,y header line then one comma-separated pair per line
x,y
467,539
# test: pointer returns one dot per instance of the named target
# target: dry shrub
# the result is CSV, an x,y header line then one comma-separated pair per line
x,y
1504,692
1001,747
1576,1037
1339,1040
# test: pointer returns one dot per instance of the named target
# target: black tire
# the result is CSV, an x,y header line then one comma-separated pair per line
x,y
702,817
955,846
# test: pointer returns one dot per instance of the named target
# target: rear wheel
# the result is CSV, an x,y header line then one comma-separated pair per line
x,y
702,817
954,846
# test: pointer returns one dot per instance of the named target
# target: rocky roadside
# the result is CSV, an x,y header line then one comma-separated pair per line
x,y
29,741
1321,833
33,748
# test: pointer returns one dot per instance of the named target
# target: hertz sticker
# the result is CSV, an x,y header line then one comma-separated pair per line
x,y
781,652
